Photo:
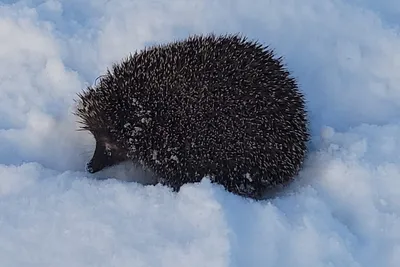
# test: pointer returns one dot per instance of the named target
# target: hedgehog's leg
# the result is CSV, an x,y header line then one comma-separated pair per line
x,y
173,183
177,180
242,186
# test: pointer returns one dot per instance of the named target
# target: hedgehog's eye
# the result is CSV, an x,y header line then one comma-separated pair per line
x,y
108,151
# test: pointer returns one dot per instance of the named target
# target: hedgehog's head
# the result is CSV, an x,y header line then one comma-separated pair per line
x,y
105,154
93,118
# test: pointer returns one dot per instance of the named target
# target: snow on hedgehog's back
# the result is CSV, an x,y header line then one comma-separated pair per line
x,y
216,106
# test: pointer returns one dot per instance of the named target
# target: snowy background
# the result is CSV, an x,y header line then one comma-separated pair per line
x,y
344,211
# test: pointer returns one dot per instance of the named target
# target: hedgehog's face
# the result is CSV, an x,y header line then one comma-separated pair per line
x,y
105,155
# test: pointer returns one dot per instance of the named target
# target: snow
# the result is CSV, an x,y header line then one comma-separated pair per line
x,y
344,210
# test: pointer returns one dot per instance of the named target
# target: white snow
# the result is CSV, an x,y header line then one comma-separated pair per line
x,y
344,211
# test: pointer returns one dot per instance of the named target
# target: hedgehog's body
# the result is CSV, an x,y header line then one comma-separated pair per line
x,y
216,106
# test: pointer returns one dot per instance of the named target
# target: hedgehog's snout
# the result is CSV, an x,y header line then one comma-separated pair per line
x,y
99,160
89,167
92,167
105,155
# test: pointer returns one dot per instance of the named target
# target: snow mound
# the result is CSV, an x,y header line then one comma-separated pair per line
x,y
343,210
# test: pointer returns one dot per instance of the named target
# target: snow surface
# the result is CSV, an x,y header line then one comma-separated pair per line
x,y
343,211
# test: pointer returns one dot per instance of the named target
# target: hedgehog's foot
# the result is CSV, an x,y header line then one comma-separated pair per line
x,y
174,185
246,189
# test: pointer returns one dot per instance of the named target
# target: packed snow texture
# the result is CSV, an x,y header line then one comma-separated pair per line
x,y
343,210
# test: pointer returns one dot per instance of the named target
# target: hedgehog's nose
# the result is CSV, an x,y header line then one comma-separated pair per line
x,y
89,167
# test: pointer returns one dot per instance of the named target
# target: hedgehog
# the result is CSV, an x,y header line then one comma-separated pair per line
x,y
217,106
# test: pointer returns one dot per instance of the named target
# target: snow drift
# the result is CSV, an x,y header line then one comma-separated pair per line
x,y
344,210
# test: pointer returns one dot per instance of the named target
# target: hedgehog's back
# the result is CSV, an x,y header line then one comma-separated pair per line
x,y
225,103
